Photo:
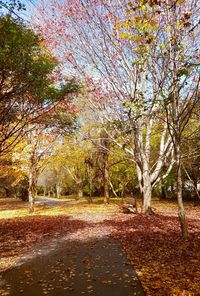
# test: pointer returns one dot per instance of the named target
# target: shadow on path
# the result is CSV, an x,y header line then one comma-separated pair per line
x,y
75,268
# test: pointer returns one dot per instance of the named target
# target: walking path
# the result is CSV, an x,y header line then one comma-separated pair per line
x,y
92,268
85,262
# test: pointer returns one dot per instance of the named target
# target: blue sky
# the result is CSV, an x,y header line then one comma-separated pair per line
x,y
29,7
29,4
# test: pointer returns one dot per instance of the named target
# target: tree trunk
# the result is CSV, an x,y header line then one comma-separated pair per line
x,y
146,194
58,190
90,181
32,188
80,193
106,180
144,179
142,157
45,191
105,143
79,188
181,211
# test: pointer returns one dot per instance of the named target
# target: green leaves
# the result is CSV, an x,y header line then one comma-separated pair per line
x,y
183,72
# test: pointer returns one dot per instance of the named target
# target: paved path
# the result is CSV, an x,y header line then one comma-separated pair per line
x,y
52,202
96,268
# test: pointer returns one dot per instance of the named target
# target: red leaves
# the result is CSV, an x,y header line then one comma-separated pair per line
x,y
20,234
165,263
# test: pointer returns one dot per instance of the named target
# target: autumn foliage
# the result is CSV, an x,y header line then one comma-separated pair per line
x,y
164,262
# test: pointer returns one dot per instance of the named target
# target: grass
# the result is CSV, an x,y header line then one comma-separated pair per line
x,y
13,208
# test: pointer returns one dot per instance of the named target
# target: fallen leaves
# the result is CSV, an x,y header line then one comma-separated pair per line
x,y
19,234
165,263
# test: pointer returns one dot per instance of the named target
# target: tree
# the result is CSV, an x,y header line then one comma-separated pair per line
x,y
28,81
40,144
11,6
190,153
32,154
123,93
104,151
173,50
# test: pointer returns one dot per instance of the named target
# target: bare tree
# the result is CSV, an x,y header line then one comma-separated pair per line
x,y
122,89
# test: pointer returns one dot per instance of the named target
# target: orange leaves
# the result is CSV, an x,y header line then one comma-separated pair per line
x,y
180,1
165,264
19,234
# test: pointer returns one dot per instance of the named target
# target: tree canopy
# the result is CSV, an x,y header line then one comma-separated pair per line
x,y
29,85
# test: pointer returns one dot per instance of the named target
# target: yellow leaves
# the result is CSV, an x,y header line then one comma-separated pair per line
x,y
137,38
180,292
148,26
124,35
124,24
143,7
4,292
131,5
125,275
157,284
194,261
180,1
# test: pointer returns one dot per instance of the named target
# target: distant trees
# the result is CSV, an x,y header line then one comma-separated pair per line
x,y
39,145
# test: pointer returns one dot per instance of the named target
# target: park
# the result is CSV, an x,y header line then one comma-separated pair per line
x,y
99,148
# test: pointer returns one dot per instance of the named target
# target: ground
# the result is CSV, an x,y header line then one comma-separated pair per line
x,y
163,261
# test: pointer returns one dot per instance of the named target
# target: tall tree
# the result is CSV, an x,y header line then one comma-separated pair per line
x,y
167,39
87,37
27,81
41,143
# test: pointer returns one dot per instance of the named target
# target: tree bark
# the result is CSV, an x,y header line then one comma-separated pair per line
x,y
79,188
32,191
89,174
142,156
80,193
147,193
106,180
45,191
58,190
105,145
181,211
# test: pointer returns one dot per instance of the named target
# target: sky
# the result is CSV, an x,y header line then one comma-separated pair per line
x,y
25,15
29,4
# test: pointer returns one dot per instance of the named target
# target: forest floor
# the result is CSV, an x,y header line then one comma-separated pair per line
x,y
164,262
